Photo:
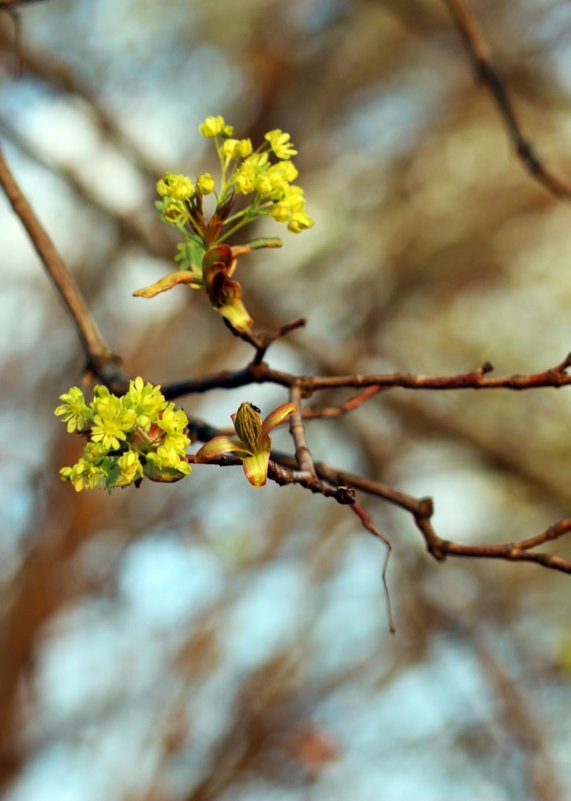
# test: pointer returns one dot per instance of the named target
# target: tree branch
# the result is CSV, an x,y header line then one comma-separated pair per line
x,y
422,509
302,452
486,72
261,373
100,359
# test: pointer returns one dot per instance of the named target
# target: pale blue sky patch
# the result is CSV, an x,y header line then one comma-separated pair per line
x,y
167,582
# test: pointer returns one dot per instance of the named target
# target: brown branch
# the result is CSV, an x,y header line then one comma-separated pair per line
x,y
284,471
302,452
258,372
285,475
487,73
509,551
99,357
343,408
421,509
476,379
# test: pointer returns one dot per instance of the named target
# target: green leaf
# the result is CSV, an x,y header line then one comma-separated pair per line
x,y
190,255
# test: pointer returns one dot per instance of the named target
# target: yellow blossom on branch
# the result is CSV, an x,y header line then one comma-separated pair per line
x,y
264,178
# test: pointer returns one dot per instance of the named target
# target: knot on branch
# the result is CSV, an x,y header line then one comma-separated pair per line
x,y
345,495
425,508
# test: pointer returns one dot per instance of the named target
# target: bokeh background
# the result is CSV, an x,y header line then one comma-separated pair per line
x,y
208,641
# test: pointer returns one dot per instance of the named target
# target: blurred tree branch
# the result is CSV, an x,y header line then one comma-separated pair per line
x,y
486,72
99,356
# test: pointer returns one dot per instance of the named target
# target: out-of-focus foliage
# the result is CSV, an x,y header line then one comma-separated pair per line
x,y
206,640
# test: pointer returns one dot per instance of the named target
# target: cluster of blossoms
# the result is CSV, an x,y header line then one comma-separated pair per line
x,y
266,177
140,434
244,171
131,437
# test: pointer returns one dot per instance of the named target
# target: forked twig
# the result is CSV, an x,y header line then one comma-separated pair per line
x,y
262,341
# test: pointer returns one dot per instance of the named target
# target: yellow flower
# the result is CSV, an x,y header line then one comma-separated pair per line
x,y
174,213
299,222
213,126
280,143
286,169
128,469
249,172
244,148
205,184
236,148
178,187
228,148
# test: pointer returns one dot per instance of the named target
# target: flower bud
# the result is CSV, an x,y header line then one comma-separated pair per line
x,y
248,425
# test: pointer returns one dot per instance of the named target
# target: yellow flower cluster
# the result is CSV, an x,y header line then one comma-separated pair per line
x,y
136,435
176,191
245,171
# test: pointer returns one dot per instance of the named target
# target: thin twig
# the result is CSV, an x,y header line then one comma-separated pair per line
x,y
479,52
367,522
286,475
343,408
266,340
262,341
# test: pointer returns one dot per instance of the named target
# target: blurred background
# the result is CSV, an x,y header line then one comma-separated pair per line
x,y
205,640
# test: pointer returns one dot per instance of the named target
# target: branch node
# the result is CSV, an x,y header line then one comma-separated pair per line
x,y
425,508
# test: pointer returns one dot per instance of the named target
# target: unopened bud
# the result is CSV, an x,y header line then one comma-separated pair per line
x,y
248,425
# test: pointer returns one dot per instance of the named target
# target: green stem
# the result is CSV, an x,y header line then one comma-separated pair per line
x,y
236,216
223,166
233,230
